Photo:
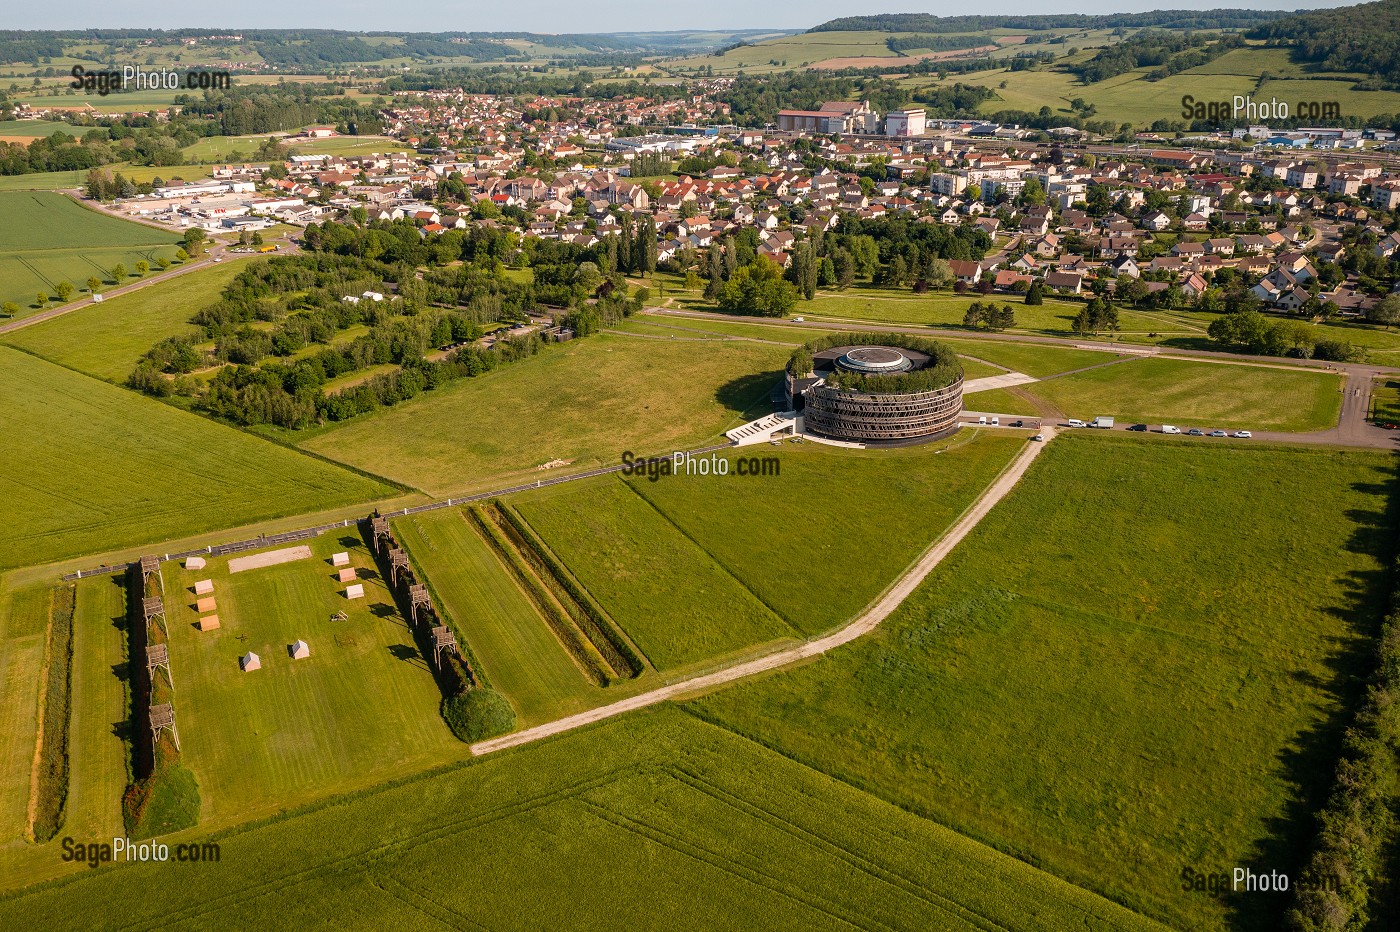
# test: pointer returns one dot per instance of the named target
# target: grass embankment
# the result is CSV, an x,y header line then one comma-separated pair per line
x,y
671,597
1143,659
51,775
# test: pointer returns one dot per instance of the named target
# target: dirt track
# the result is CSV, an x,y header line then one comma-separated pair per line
x,y
862,625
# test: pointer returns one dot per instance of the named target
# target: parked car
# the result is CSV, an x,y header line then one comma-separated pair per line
x,y
1195,432
1218,433
1138,427
1018,423
996,422
1243,434
1168,429
1038,438
1075,422
799,320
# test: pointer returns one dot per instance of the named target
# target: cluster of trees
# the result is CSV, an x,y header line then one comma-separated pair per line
x,y
1095,317
1252,332
1169,51
758,288
1342,886
989,317
938,43
1162,19
1363,38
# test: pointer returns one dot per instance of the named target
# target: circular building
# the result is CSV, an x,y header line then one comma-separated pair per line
x,y
893,389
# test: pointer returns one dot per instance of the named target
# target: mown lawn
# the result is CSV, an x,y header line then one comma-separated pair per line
x,y
1141,660
1202,394
88,467
822,539
675,602
653,821
519,655
585,402
362,708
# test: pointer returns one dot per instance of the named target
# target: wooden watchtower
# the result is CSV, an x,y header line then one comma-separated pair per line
x,y
150,566
153,610
418,597
379,527
444,643
158,657
162,719
398,562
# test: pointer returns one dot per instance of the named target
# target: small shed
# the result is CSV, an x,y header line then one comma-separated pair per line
x,y
347,574
204,587
249,662
340,559
356,591
209,623
300,650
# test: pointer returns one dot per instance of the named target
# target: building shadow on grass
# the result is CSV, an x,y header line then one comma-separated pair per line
x,y
748,394
1309,764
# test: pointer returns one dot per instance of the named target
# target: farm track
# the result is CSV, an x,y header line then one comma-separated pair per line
x,y
866,622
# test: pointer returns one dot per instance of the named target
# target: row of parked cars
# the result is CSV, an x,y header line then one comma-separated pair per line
x,y
1195,431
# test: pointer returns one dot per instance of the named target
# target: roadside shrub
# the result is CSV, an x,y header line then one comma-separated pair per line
x,y
478,714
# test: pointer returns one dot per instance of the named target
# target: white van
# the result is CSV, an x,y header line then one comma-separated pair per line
x,y
1168,429
996,422
982,419
1074,422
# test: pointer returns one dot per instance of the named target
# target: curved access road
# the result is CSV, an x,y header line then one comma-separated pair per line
x,y
863,624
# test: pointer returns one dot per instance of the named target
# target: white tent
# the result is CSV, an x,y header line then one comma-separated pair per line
x,y
300,650
250,661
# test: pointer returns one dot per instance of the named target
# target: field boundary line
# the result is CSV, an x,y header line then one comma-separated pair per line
x,y
866,622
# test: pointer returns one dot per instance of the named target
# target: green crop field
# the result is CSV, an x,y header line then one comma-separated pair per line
x,y
24,619
585,402
1140,660
519,655
821,540
88,467
48,238
107,339
655,821
361,709
676,603
1202,394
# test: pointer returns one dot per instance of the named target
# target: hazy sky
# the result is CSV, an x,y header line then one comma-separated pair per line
x,y
543,15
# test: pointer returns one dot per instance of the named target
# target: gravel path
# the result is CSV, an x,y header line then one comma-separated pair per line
x,y
862,625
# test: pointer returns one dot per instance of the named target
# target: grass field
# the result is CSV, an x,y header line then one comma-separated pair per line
x,y
88,467
675,602
585,401
1140,660
1385,401
519,655
655,821
106,340
48,238
98,757
1196,394
362,708
822,539
24,619
53,181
